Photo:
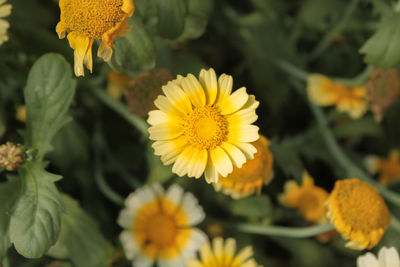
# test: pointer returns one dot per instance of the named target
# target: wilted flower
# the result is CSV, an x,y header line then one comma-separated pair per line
x,y
325,92
252,175
309,199
358,213
141,91
388,168
387,257
202,127
11,156
383,90
89,20
5,10
159,226
223,254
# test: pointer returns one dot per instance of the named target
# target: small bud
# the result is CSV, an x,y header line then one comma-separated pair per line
x,y
11,156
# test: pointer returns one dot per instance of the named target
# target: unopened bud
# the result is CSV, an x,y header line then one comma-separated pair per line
x,y
11,156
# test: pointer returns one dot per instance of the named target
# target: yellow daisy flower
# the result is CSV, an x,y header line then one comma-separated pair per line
x,y
309,199
388,169
358,213
324,92
117,83
387,257
5,10
254,173
202,127
158,226
89,20
222,254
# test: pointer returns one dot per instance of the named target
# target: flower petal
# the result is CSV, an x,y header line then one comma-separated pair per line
x,y
198,163
177,97
129,244
234,102
221,161
181,164
388,257
243,133
367,260
235,154
193,210
208,80
165,131
82,48
105,51
194,90
225,84
169,150
210,172
244,116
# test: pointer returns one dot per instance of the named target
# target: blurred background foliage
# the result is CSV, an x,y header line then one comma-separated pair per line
x,y
102,158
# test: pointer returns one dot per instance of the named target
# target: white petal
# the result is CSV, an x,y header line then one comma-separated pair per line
x,y
175,194
165,131
129,244
125,218
235,154
181,164
388,257
234,102
142,261
221,161
194,211
225,84
210,172
242,133
248,149
197,163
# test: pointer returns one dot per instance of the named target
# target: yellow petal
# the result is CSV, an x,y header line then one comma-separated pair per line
x,y
234,153
82,48
177,97
244,116
225,84
248,149
181,164
198,163
165,131
234,102
208,80
105,51
243,133
194,90
221,161
165,105
210,173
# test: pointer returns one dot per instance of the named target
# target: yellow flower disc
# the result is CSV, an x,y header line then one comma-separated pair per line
x,y
358,212
252,175
89,20
202,127
308,198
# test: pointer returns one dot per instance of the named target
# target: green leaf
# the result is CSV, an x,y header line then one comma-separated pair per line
x,y
171,17
136,52
197,19
36,220
81,238
48,95
256,206
8,194
382,48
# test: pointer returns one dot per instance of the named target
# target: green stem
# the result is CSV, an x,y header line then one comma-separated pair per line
x,y
119,108
326,40
294,232
395,224
344,161
292,69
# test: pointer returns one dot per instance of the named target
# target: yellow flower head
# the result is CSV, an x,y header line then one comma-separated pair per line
x,y
159,226
21,113
222,254
5,10
309,199
358,212
245,181
325,92
89,20
388,168
202,127
117,82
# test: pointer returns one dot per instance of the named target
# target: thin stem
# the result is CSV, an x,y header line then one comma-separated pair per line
x,y
344,161
294,232
119,108
395,224
326,40
292,70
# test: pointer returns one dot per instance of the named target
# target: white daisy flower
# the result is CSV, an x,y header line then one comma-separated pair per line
x,y
387,257
159,226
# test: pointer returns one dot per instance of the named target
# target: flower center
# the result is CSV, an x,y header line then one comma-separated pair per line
x,y
91,18
205,127
161,230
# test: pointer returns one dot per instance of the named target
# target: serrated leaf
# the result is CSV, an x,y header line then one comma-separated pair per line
x,y
8,194
256,206
171,17
81,238
135,52
36,220
382,48
48,95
